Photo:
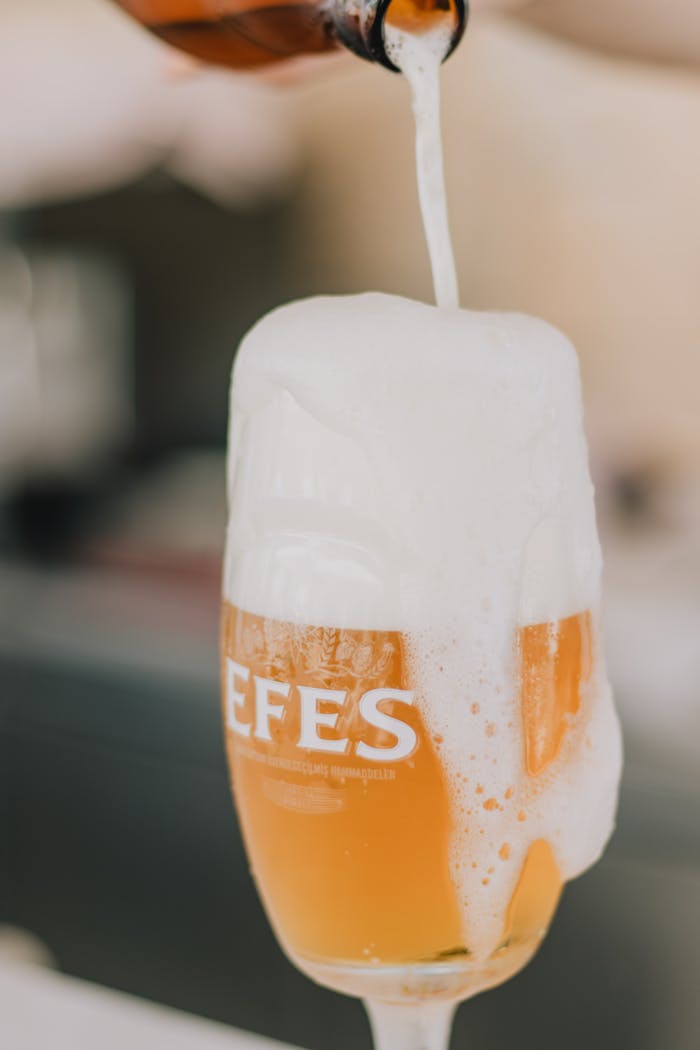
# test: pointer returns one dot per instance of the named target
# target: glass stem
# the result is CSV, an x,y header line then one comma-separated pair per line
x,y
410,1026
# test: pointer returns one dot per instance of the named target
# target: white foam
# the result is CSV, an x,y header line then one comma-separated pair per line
x,y
419,57
396,466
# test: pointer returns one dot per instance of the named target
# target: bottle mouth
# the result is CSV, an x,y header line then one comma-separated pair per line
x,y
414,16
360,25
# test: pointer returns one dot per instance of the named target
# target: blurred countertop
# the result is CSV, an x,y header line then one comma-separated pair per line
x,y
42,1008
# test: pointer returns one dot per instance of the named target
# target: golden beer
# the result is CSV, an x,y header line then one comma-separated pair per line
x,y
343,800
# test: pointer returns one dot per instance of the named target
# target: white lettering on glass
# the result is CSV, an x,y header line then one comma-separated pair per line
x,y
310,697
234,698
264,710
312,718
406,738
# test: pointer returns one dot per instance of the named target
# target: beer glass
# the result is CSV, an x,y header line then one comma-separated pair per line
x,y
361,827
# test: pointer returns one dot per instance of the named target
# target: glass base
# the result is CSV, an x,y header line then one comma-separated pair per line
x,y
454,981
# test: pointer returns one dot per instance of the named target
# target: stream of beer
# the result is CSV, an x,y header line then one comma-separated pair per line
x,y
419,57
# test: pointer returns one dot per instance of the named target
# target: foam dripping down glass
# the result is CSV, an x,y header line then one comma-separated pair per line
x,y
421,737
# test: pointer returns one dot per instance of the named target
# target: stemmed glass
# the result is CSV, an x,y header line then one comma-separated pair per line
x,y
350,801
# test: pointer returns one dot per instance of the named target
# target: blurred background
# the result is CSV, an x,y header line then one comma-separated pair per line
x,y
150,211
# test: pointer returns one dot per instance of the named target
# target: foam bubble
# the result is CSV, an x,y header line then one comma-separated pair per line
x,y
398,467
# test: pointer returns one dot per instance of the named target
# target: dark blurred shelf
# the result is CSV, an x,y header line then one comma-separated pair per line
x,y
156,620
199,274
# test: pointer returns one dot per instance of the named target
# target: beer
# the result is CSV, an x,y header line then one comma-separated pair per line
x,y
342,800
420,734
556,661
344,806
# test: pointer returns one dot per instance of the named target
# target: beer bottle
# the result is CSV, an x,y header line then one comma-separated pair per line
x,y
244,34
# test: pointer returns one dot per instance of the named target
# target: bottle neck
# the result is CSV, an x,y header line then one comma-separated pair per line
x,y
359,24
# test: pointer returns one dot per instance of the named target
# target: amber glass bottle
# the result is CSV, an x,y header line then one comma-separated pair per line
x,y
248,33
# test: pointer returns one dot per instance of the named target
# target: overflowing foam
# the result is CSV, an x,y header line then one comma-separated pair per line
x,y
398,467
